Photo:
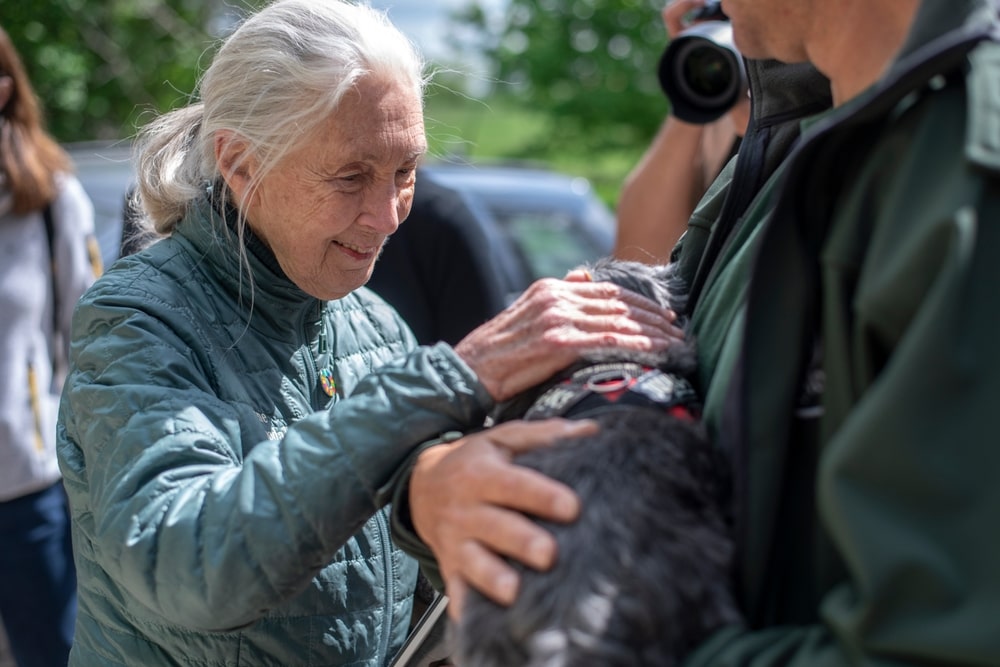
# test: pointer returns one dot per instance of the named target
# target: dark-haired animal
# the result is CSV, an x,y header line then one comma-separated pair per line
x,y
643,576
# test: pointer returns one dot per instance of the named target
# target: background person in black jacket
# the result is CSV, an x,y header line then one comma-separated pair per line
x,y
437,269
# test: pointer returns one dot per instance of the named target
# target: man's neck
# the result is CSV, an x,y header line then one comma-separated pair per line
x,y
855,41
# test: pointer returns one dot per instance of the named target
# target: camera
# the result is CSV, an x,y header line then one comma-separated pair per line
x,y
701,71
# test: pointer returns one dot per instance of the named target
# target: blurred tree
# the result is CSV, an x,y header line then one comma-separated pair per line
x,y
591,64
100,66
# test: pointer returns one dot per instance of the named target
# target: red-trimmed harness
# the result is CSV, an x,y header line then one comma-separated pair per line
x,y
602,385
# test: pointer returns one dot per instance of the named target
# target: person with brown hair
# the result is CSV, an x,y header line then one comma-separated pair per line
x,y
48,258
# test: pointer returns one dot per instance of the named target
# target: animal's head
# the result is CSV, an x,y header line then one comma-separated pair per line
x,y
660,283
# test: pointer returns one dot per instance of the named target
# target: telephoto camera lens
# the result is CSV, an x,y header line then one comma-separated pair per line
x,y
706,71
702,73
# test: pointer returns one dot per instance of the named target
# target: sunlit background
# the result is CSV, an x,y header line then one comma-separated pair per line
x,y
569,84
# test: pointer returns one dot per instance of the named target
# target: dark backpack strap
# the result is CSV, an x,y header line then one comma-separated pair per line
x,y
50,234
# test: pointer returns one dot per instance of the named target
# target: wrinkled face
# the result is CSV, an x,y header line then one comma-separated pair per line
x,y
770,28
326,209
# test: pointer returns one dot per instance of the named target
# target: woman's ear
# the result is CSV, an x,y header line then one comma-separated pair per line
x,y
236,163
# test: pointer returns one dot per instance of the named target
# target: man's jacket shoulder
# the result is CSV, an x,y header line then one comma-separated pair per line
x,y
983,84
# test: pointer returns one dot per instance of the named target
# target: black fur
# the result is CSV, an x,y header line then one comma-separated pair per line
x,y
643,576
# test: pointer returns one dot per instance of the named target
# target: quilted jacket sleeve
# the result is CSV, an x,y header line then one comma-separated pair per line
x,y
205,517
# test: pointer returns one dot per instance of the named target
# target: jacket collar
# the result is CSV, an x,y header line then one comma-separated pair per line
x,y
246,268
782,91
936,20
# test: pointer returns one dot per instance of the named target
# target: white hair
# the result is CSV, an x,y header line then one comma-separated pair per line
x,y
273,82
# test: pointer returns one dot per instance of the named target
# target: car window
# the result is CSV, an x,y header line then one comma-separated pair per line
x,y
549,242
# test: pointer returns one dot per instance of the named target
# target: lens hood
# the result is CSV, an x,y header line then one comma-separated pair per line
x,y
702,73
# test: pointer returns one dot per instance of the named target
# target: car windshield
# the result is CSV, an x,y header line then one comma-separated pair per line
x,y
548,241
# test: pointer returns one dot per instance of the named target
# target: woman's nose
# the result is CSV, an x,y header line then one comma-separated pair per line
x,y
384,209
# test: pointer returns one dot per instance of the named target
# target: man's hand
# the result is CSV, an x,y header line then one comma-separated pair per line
x,y
675,14
468,503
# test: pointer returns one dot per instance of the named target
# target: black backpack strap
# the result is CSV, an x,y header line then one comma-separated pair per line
x,y
50,234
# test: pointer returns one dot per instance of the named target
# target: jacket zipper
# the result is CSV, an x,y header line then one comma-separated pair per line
x,y
311,365
390,590
385,544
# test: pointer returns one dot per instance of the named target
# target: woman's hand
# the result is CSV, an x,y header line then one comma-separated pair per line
x,y
468,503
553,322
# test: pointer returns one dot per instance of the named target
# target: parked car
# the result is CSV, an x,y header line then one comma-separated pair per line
x,y
540,223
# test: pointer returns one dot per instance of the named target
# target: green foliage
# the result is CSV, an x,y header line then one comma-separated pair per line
x,y
572,83
509,130
589,64
467,128
99,66
574,86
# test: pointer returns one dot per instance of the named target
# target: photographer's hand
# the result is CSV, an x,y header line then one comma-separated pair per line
x,y
675,15
660,193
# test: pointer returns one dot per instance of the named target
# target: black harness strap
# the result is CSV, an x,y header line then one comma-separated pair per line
x,y
594,388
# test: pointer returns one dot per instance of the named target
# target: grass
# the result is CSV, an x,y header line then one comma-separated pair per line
x,y
501,129
480,129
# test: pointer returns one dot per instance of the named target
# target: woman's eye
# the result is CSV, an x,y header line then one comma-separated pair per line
x,y
350,182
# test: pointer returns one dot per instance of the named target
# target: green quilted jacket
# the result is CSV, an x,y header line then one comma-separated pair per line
x,y
226,510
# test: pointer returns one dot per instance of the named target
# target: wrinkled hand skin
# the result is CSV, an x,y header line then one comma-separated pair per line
x,y
468,503
552,323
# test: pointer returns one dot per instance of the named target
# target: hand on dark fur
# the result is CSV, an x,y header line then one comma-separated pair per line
x,y
643,575
468,503
556,321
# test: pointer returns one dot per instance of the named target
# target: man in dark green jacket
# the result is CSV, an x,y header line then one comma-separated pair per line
x,y
854,381
859,399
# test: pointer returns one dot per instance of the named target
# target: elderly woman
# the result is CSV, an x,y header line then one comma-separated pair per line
x,y
239,406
